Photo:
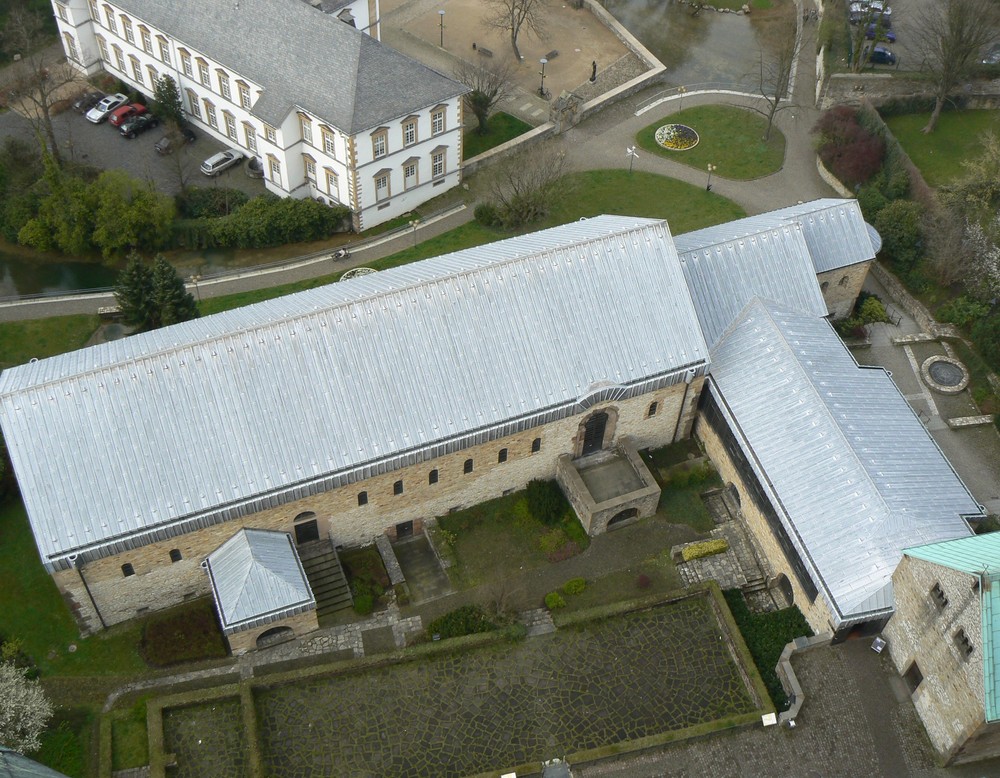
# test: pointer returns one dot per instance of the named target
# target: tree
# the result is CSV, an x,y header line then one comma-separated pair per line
x,y
172,303
510,16
25,710
129,213
34,83
167,102
950,35
134,292
776,74
490,81
522,186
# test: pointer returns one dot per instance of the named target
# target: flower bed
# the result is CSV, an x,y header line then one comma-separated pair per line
x,y
677,137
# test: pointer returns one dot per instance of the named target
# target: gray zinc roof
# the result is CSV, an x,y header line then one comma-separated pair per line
x,y
257,579
143,438
834,230
302,58
773,263
855,476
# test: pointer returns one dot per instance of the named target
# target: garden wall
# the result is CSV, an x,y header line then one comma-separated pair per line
x,y
878,88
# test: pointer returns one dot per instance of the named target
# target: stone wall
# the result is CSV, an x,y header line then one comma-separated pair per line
x,y
841,288
816,612
852,88
159,583
949,700
299,624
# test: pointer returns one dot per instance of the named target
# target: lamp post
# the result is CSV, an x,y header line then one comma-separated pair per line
x,y
441,14
194,282
630,153
681,90
541,89
711,169
413,224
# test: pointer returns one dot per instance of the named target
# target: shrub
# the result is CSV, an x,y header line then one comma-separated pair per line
x,y
852,153
986,336
643,581
872,310
197,203
962,311
902,240
546,501
271,221
467,620
364,604
574,586
486,214
703,549
554,600
182,634
552,540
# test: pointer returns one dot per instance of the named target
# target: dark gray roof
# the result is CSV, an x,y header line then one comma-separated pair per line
x,y
302,58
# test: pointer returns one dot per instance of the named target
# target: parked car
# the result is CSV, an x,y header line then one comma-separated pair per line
x,y
217,163
882,33
992,56
869,14
86,101
882,56
165,145
121,115
138,125
100,112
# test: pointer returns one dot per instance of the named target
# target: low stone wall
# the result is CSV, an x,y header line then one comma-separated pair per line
x,y
852,88
392,568
832,180
916,309
786,674
513,146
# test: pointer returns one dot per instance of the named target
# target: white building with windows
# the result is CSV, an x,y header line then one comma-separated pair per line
x,y
306,86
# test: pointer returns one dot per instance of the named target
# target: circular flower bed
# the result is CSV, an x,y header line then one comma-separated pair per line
x,y
677,137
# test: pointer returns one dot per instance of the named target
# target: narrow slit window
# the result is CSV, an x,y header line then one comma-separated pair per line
x,y
468,466
536,445
397,488
502,456
432,477
653,407
362,498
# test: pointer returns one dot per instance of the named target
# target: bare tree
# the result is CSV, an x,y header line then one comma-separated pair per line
x,y
950,34
490,81
34,84
522,185
775,74
511,16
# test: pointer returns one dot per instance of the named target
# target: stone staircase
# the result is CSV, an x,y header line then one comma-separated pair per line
x,y
326,578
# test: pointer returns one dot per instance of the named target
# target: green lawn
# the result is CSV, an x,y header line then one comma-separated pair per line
x,y
940,154
129,739
503,127
20,341
66,743
729,138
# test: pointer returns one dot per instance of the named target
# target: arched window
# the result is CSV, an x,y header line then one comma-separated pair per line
x,y
432,477
175,555
843,281
653,406
127,569
824,286
536,445
468,466
305,516
397,488
502,456
362,498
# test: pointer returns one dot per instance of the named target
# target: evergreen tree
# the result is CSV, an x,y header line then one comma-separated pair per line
x,y
134,292
167,102
171,301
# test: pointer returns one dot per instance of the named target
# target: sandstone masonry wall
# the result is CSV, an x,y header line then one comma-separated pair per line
x,y
300,624
841,288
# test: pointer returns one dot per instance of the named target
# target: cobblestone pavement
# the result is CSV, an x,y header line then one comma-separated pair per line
x,y
208,740
856,721
465,713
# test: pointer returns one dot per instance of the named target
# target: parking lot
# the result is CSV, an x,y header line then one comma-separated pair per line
x,y
101,146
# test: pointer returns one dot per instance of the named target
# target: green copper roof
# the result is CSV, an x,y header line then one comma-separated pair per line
x,y
978,555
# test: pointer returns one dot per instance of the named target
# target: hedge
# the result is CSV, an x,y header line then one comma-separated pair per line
x,y
703,549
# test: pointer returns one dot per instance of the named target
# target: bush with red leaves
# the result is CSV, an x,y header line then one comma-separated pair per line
x,y
847,149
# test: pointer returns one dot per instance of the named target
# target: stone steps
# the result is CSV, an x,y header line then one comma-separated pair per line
x,y
328,582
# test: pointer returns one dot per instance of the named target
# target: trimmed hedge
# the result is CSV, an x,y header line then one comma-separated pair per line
x,y
703,549
467,620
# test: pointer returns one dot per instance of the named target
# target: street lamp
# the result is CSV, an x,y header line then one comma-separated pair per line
x,y
441,14
681,90
630,153
413,224
711,169
541,89
194,282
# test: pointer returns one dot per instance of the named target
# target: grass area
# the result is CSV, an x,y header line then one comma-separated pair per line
x,y
186,633
682,480
729,138
766,635
654,575
484,541
66,744
674,454
21,341
32,609
129,738
940,154
979,385
502,128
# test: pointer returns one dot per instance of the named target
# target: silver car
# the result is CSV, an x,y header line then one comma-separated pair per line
x,y
102,110
216,163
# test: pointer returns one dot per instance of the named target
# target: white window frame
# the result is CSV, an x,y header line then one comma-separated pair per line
x,y
245,100
187,64
164,46
332,184
194,105
379,196
411,181
380,144
109,17
438,124
119,57
274,170
129,32
439,166
147,40
230,121
310,167
329,143
211,115
136,69
61,10
224,89
203,75
250,135
103,46
409,132
306,129
270,133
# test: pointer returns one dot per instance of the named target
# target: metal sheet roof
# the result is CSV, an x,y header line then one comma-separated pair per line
x,y
773,263
834,230
225,415
978,556
257,578
857,476
302,58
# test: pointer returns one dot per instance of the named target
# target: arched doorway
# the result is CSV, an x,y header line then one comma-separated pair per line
x,y
593,433
784,588
274,635
621,516
306,528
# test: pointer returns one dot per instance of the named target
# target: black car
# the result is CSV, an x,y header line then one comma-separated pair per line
x,y
86,101
166,146
138,124
882,56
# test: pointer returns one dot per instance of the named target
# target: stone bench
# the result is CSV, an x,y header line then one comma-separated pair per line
x,y
970,421
484,51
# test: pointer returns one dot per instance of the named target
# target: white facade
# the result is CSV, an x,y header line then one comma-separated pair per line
x,y
379,172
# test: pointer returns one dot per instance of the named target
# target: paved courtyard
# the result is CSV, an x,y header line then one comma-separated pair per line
x,y
467,712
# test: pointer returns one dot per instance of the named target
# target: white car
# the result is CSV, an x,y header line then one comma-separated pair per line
x,y
100,112
216,163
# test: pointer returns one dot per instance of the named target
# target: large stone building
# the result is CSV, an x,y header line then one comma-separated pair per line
x,y
307,87
944,640
362,408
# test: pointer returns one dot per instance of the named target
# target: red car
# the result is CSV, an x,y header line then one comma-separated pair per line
x,y
126,112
